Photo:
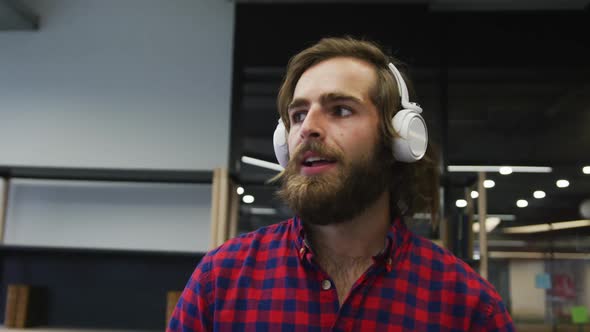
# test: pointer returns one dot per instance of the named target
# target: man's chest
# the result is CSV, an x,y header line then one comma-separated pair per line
x,y
311,303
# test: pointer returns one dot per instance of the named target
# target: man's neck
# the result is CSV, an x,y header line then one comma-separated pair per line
x,y
360,238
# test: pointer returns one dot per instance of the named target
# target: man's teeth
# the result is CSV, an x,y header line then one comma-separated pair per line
x,y
313,159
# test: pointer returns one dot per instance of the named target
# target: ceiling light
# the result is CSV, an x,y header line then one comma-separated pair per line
x,y
505,170
586,169
493,169
539,194
562,183
248,199
522,203
474,194
240,191
489,184
262,163
461,203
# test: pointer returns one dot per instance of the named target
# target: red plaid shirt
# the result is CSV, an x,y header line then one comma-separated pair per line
x,y
267,280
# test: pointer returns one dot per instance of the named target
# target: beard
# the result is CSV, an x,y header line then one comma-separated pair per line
x,y
341,193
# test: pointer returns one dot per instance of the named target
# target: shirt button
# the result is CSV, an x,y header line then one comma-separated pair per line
x,y
326,284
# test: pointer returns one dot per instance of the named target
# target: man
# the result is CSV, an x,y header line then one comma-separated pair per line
x,y
346,262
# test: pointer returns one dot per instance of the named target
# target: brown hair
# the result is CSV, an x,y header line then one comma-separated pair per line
x,y
414,186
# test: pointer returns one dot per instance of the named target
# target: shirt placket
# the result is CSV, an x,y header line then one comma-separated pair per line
x,y
328,295
334,317
328,302
347,315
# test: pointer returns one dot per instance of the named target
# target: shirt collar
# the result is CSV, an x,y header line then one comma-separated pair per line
x,y
394,240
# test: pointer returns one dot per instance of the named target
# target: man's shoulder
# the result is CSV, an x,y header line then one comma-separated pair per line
x,y
447,270
244,248
454,287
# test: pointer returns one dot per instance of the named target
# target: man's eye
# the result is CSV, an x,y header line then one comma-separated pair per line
x,y
342,111
298,117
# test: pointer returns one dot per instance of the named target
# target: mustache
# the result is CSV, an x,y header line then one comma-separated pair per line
x,y
317,147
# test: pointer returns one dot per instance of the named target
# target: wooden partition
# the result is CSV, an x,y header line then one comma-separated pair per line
x,y
224,208
4,187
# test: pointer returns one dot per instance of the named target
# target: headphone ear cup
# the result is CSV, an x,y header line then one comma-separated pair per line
x,y
281,145
412,142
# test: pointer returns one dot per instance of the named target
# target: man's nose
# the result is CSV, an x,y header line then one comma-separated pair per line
x,y
313,124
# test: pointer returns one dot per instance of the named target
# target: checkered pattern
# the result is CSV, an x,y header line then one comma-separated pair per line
x,y
267,281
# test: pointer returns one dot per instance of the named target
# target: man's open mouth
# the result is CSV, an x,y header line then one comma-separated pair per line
x,y
316,161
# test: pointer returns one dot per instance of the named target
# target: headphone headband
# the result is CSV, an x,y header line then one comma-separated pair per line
x,y
403,90
409,147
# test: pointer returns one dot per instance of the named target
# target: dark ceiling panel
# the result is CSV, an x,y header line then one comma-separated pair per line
x,y
517,88
14,15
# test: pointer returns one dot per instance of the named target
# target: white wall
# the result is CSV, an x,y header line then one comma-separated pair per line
x,y
527,301
117,84
110,83
109,215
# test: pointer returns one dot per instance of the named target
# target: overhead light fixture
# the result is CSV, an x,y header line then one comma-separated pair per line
x,y
538,255
546,227
263,211
474,194
539,194
586,169
505,217
489,184
522,203
262,163
248,199
527,229
570,224
240,191
491,224
493,169
461,203
505,170
507,243
562,183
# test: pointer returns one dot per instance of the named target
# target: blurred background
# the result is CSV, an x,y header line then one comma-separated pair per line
x,y
136,135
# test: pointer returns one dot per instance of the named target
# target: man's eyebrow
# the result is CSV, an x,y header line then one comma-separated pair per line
x,y
326,98
297,103
338,96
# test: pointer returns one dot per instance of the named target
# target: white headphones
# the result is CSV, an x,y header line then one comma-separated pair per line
x,y
409,147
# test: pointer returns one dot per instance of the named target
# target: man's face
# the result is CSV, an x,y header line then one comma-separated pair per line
x,y
337,165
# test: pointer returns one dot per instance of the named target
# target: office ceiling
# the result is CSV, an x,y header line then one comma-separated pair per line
x,y
498,88
452,5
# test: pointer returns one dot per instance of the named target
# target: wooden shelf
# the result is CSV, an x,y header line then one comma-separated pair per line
x,y
107,174
95,278
96,251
